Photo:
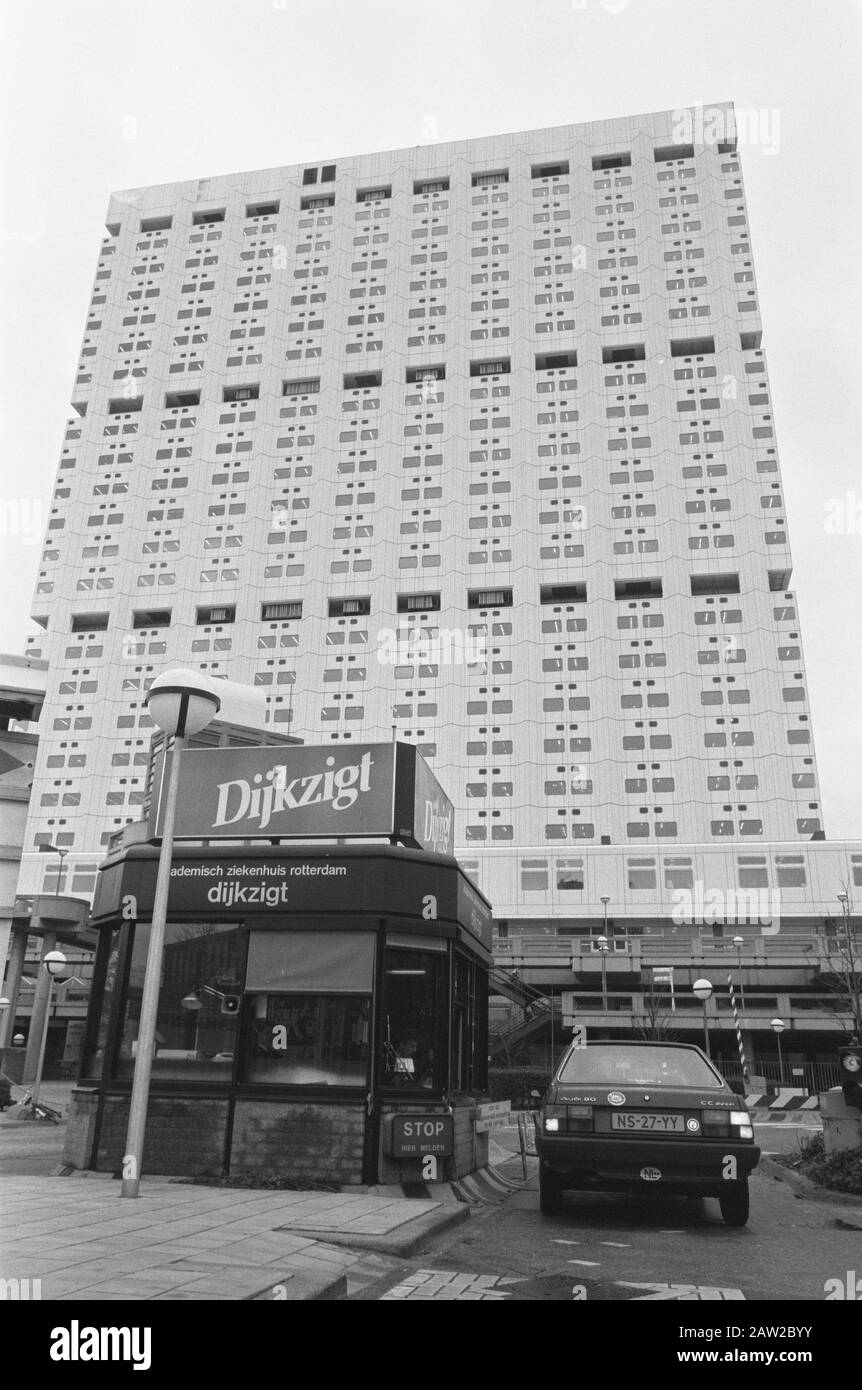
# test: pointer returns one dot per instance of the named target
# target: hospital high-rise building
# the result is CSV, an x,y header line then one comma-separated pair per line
x,y
472,443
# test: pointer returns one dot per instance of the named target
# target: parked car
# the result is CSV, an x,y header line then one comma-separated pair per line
x,y
644,1117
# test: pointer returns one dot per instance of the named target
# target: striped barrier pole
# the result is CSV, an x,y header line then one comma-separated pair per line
x,y
738,1030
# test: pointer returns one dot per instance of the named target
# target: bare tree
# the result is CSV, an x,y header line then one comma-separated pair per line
x,y
839,948
657,1016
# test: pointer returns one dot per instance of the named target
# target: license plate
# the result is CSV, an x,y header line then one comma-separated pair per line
x,y
648,1121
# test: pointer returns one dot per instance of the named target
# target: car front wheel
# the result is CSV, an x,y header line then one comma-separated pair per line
x,y
734,1203
550,1192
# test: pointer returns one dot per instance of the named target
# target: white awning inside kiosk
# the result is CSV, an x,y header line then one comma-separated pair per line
x,y
305,962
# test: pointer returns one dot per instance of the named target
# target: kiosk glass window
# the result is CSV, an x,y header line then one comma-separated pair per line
x,y
414,1019
469,1025
196,1025
308,1010
110,945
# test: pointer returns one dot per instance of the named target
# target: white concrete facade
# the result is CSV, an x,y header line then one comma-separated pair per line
x,y
586,490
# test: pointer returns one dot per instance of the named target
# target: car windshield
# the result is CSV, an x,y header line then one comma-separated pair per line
x,y
620,1065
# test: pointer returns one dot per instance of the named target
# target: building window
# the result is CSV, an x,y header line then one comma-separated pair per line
x,y
641,873
790,870
570,875
678,873
534,875
751,871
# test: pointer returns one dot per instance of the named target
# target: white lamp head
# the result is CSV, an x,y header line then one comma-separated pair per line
x,y
4,1003
54,962
182,701
702,989
778,1025
738,941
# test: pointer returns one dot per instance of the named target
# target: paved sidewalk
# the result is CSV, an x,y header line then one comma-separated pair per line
x,y
182,1241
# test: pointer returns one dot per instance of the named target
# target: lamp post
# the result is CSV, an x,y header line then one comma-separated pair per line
x,y
55,963
853,962
602,944
702,990
604,948
777,1025
739,942
55,849
180,703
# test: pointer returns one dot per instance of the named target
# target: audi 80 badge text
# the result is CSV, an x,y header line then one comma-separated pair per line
x,y
629,1117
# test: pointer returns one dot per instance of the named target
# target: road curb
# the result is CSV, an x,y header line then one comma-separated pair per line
x,y
803,1187
423,1229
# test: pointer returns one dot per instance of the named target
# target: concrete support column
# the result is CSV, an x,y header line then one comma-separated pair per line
x,y
12,984
40,1005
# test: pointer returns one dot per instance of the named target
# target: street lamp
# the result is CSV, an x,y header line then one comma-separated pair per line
x,y
55,963
603,946
46,848
180,703
739,942
778,1025
702,990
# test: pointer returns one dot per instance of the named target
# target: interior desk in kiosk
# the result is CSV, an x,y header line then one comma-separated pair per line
x,y
323,1014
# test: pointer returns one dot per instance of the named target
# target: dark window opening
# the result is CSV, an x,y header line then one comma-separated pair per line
x,y
497,367
151,617
418,603
714,584
692,347
348,607
637,588
563,593
240,393
612,161
489,598
668,152
635,353
547,171
281,610
413,1022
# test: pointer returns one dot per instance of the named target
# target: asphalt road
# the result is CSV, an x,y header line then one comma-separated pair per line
x,y
602,1244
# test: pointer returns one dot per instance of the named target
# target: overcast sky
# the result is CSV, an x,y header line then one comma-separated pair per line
x,y
107,94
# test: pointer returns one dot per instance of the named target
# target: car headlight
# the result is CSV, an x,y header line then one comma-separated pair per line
x,y
851,1062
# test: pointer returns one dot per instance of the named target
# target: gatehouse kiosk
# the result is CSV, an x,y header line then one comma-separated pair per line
x,y
323,1008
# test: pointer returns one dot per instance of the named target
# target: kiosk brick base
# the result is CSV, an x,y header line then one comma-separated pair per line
x,y
307,1142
